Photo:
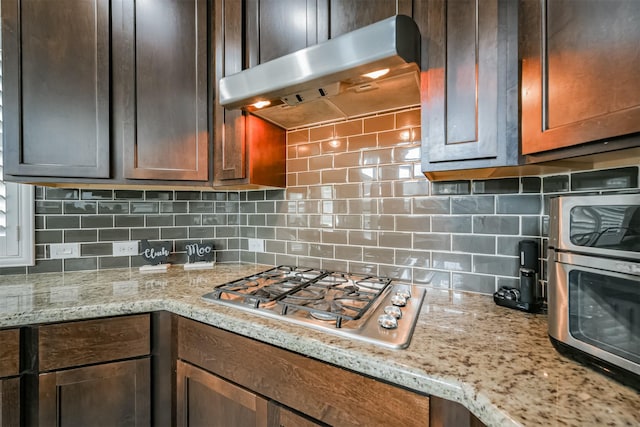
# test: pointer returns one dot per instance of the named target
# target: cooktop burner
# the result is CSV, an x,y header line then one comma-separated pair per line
x,y
361,306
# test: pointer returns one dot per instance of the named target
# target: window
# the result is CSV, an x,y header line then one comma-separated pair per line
x,y
16,214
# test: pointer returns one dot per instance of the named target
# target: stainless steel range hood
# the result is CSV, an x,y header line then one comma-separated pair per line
x,y
327,82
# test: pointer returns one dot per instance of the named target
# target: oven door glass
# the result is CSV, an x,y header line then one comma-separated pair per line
x,y
613,227
604,311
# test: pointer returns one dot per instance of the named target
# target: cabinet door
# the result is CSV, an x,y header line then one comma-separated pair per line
x,y
56,87
110,394
444,413
10,402
277,27
286,418
165,92
247,150
580,79
207,400
348,15
470,88
229,148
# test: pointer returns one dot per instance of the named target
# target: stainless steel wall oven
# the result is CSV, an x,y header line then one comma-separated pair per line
x,y
594,282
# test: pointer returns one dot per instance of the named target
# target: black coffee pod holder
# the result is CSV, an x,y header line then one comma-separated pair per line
x,y
524,298
510,298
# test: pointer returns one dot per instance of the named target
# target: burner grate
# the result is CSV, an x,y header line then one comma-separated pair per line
x,y
337,297
331,297
265,288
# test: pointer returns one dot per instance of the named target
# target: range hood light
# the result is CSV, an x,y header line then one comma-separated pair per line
x,y
261,104
377,73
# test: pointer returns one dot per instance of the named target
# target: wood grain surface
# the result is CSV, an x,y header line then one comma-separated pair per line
x,y
70,344
322,391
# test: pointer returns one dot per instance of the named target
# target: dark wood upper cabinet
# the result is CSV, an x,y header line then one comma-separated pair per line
x,y
165,93
580,78
56,87
111,89
278,27
348,15
470,84
248,151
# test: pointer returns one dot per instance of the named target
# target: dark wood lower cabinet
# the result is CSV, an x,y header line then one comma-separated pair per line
x,y
207,400
9,402
110,394
279,416
318,390
191,374
445,413
9,378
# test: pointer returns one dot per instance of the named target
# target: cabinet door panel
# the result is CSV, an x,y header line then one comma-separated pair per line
x,y
10,402
580,79
106,395
229,158
207,400
169,136
56,87
10,352
288,418
462,80
443,413
349,15
278,27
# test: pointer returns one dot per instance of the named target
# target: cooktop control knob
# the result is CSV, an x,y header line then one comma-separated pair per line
x,y
398,300
405,294
387,321
394,311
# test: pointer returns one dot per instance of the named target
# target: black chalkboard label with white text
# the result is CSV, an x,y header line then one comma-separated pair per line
x,y
155,253
199,252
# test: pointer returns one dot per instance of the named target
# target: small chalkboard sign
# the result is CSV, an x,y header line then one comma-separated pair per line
x,y
155,253
199,252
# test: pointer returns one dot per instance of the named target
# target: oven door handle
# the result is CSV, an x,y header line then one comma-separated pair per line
x,y
599,263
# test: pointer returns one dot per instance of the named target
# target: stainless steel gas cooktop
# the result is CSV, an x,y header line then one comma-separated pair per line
x,y
375,309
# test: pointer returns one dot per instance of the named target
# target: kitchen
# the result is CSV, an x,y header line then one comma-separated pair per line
x,y
356,200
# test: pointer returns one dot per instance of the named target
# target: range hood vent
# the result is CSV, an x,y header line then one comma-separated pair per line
x,y
328,82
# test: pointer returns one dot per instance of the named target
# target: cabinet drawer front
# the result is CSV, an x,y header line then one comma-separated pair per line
x,y
9,352
322,391
93,341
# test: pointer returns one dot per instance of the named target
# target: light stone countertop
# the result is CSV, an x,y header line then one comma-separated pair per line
x,y
497,362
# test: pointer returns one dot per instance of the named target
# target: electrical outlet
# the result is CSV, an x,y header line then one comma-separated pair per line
x,y
256,245
64,250
126,248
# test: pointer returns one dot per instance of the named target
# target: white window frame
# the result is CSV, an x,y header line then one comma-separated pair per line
x,y
16,246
